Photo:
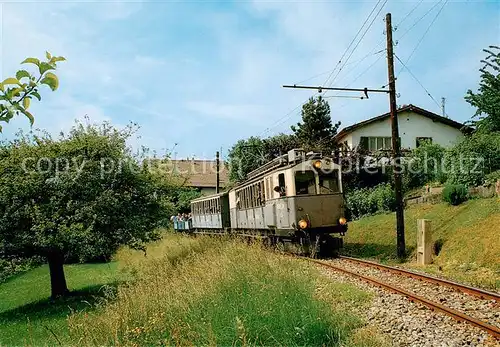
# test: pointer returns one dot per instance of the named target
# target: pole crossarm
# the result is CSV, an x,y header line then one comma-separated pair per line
x,y
320,88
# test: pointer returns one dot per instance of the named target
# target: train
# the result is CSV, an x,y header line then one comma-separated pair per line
x,y
293,201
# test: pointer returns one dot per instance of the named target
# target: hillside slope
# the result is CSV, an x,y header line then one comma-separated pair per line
x,y
466,238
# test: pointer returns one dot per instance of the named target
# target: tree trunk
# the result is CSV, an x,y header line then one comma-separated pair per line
x,y
57,279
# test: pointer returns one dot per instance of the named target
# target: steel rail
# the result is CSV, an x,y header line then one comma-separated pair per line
x,y
483,294
492,330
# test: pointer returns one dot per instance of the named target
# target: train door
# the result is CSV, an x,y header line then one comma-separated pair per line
x,y
269,208
282,210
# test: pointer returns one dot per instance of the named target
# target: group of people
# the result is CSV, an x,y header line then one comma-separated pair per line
x,y
181,217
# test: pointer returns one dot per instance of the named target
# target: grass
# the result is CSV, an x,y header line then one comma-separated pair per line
x,y
29,317
26,312
186,291
234,294
467,243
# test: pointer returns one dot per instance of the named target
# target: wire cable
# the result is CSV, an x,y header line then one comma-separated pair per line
x,y
352,41
423,36
368,28
408,14
357,62
417,80
290,113
419,20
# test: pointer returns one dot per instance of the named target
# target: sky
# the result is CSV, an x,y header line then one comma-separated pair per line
x,y
199,75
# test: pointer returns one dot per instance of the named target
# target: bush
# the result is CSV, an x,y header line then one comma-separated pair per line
x,y
471,160
424,166
493,177
366,201
14,266
455,194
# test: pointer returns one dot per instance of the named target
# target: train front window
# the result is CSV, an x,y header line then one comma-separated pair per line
x,y
305,183
329,182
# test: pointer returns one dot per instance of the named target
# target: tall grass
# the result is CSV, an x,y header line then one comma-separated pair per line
x,y
465,238
208,292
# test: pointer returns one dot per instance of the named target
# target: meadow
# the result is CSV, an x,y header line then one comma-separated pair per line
x,y
187,291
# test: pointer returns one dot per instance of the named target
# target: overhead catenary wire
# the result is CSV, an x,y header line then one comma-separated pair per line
x,y
408,14
291,112
359,41
417,80
356,63
352,41
423,36
419,19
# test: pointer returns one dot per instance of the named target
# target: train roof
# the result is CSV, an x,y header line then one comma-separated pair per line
x,y
208,197
292,158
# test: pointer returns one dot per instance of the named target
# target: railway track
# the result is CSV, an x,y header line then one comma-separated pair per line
x,y
491,329
480,293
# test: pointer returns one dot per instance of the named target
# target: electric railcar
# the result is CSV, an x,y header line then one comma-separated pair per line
x,y
294,199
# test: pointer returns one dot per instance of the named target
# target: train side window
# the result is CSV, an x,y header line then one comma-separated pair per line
x,y
262,195
269,189
254,195
281,185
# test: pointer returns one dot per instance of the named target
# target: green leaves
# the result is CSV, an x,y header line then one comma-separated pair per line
x,y
31,61
51,80
17,100
56,59
44,67
29,115
22,73
26,103
36,95
11,80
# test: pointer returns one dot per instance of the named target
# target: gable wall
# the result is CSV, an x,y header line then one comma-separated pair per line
x,y
411,126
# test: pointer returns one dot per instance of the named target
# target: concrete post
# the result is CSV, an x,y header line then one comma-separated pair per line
x,y
424,242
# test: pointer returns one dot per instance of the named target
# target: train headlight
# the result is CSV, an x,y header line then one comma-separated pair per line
x,y
342,220
302,224
317,164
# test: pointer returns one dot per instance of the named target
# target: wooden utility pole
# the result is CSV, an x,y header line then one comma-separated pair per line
x,y
396,145
217,183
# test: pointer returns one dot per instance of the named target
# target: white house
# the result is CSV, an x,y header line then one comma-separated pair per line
x,y
415,124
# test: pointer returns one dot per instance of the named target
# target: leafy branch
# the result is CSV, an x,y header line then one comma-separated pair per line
x,y
17,92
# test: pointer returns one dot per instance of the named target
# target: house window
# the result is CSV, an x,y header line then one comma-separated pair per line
x,y
373,143
421,140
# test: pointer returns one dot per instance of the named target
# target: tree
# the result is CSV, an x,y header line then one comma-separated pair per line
x,y
183,197
316,132
487,100
280,144
82,195
245,156
17,92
